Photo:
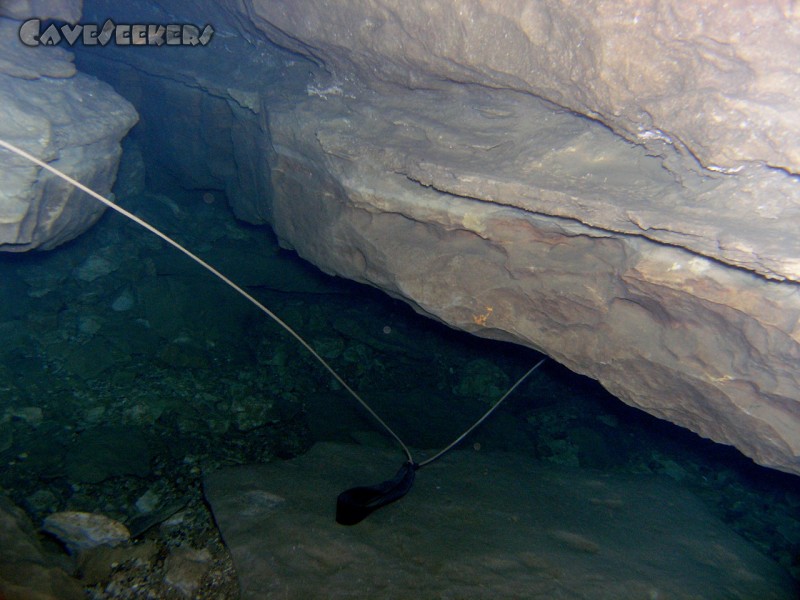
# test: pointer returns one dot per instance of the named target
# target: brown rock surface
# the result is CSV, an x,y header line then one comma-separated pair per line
x,y
719,77
80,531
709,89
478,525
681,336
26,571
652,246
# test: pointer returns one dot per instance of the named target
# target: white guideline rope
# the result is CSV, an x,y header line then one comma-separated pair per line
x,y
485,416
239,290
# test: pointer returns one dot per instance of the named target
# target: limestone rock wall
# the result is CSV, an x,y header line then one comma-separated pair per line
x,y
64,117
203,118
718,77
684,337
612,184
710,87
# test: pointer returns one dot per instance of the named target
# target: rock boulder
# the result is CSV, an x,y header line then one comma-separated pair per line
x,y
26,570
63,117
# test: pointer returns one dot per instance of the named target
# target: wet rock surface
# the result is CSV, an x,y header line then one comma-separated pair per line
x,y
478,525
509,217
697,106
81,531
439,197
27,570
465,174
664,329
558,198
58,115
73,368
721,84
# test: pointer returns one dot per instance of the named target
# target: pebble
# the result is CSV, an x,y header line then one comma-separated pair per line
x,y
94,267
186,568
123,302
81,531
148,501
32,415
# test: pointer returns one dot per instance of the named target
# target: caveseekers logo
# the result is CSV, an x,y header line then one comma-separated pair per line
x,y
90,34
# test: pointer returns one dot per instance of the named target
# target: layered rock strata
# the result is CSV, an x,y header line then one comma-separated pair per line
x,y
615,186
613,183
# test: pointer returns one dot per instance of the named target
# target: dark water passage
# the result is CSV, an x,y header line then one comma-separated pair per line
x,y
126,372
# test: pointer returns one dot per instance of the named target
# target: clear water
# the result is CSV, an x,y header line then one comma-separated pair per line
x,y
126,369
127,372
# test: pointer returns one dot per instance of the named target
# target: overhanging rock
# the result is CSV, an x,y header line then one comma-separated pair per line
x,y
681,336
613,184
652,246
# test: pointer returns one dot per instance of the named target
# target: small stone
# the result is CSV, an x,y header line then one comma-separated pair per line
x,y
32,415
81,531
148,502
123,302
97,564
673,470
94,267
95,414
89,324
175,521
42,501
185,568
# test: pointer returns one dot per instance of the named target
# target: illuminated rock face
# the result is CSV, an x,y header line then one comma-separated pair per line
x,y
711,88
653,247
615,184
64,117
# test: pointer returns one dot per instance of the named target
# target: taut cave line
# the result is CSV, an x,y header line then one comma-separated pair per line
x,y
445,160
194,257
355,504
